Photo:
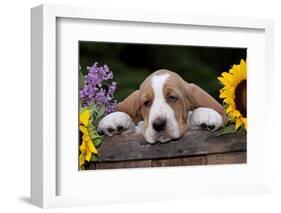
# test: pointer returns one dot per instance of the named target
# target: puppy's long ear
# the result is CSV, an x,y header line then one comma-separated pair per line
x,y
131,106
199,98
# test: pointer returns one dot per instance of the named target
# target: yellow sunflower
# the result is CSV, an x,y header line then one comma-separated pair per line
x,y
234,93
87,147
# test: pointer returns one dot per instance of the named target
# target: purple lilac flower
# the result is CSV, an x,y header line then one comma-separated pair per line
x,y
99,88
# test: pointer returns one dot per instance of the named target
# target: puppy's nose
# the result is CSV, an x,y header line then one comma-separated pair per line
x,y
159,124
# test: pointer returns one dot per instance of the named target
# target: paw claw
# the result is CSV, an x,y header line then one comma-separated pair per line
x,y
110,129
101,132
203,125
120,128
211,127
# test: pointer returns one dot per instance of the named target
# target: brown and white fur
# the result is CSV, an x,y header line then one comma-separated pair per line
x,y
163,109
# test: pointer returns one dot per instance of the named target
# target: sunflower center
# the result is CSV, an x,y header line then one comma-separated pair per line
x,y
241,98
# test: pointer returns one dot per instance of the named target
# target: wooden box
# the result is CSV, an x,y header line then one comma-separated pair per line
x,y
197,147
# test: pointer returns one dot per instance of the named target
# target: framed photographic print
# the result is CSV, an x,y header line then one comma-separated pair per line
x,y
137,106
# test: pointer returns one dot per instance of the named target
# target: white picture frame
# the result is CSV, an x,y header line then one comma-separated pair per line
x,y
48,168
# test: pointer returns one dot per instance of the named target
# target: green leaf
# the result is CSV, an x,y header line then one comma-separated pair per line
x,y
100,111
94,134
80,104
91,123
95,158
91,127
81,80
82,109
92,107
230,129
97,141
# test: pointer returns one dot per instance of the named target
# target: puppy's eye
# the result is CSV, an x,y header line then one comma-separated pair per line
x,y
147,103
172,98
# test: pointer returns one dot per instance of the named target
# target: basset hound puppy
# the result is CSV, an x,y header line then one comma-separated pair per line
x,y
163,109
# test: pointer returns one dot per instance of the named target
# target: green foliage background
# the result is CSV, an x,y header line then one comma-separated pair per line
x,y
132,63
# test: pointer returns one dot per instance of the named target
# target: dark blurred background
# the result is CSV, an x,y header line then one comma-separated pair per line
x,y
132,63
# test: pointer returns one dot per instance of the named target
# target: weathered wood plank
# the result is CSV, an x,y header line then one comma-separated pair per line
x,y
227,158
122,164
189,161
212,159
195,142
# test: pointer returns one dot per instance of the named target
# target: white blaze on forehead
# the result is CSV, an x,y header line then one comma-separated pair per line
x,y
161,109
157,84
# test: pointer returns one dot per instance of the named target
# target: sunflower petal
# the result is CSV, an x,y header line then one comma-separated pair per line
x,y
236,113
224,81
228,76
229,109
81,159
83,129
244,120
84,117
83,146
229,101
238,123
88,156
91,147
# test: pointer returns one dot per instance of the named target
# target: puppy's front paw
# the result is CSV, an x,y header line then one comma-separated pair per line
x,y
116,123
205,118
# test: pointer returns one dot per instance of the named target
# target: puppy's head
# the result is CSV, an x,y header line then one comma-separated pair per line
x,y
163,102
164,106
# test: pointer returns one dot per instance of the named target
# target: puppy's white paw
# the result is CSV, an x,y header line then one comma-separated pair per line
x,y
139,127
205,118
116,123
